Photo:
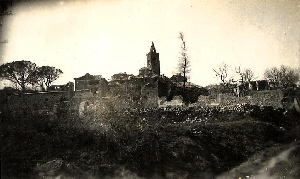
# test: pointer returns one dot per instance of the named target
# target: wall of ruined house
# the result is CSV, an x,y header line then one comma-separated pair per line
x,y
82,95
149,92
206,100
112,103
261,98
36,102
136,92
130,96
120,102
81,84
177,101
150,100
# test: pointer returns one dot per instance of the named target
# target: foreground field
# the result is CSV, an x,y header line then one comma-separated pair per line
x,y
141,143
279,161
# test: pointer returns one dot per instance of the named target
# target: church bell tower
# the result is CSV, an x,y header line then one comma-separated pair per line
x,y
153,60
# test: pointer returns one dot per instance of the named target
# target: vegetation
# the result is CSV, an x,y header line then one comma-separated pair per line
x,y
187,142
184,62
24,74
147,142
226,82
276,78
45,76
18,72
283,77
245,75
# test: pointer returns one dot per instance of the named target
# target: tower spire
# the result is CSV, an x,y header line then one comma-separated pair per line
x,y
152,48
153,60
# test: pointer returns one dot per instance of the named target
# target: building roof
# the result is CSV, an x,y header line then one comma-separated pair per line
x,y
121,76
88,76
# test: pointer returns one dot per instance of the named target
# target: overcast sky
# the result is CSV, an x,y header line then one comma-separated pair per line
x,y
104,37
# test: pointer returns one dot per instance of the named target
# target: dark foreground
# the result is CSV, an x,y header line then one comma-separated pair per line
x,y
150,143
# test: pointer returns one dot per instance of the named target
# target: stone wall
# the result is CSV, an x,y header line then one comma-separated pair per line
x,y
114,103
175,102
260,98
205,100
82,95
43,102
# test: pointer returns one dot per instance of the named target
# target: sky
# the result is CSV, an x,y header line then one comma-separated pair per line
x,y
105,37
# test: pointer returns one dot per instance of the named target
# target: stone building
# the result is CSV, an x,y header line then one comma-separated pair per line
x,y
121,76
178,79
140,90
92,83
120,84
146,72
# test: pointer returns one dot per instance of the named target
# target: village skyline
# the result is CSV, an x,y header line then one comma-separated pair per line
x,y
110,37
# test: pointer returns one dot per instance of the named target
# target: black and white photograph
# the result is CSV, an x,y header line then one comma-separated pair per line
x,y
150,89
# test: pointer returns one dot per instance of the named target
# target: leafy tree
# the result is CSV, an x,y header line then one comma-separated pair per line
x,y
45,76
284,76
184,63
18,72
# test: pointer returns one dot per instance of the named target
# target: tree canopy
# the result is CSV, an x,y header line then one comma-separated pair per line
x,y
18,72
45,76
25,74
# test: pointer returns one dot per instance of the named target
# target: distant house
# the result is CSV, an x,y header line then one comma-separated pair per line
x,y
65,87
121,76
94,83
178,78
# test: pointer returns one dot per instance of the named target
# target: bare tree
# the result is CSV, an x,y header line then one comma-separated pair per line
x,y
272,74
184,63
221,72
284,76
246,75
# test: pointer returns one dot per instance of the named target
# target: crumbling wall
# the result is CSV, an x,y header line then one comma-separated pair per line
x,y
260,98
205,100
82,94
175,102
43,102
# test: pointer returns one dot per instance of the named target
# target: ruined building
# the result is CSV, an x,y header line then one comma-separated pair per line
x,y
91,83
140,90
